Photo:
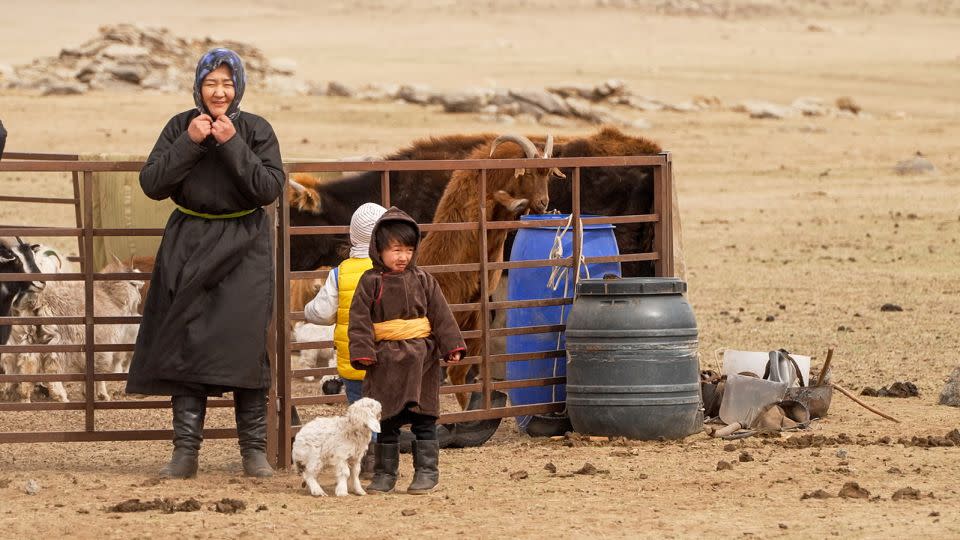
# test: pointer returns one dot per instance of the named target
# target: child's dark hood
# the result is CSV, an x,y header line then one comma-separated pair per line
x,y
393,214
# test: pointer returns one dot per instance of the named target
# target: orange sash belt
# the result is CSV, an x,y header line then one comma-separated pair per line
x,y
401,329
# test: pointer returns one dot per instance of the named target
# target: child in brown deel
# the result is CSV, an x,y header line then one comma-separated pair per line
x,y
400,327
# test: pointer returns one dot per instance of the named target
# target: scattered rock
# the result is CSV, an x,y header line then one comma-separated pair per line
x,y
230,506
950,395
907,493
852,490
587,469
895,390
818,494
841,453
408,512
64,89
543,100
763,109
745,457
890,307
133,57
4,483
729,447
262,508
339,89
462,102
783,526
550,467
846,103
519,475
415,93
724,465
32,487
918,164
809,106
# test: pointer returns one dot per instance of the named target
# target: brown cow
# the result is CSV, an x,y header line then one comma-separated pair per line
x,y
608,191
509,193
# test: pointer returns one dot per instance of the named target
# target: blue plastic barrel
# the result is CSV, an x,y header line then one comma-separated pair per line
x,y
531,283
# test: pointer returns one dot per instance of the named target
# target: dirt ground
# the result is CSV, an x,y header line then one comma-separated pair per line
x,y
801,219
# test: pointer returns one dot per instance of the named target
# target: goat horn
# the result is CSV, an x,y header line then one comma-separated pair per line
x,y
548,148
528,147
297,186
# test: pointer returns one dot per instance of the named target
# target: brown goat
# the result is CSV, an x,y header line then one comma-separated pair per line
x,y
509,193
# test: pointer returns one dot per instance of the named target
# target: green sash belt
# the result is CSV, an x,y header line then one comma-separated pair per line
x,y
215,216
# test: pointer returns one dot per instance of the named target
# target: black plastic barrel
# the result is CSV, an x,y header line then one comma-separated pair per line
x,y
632,365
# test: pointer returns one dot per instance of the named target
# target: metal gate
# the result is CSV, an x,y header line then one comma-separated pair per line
x,y
282,397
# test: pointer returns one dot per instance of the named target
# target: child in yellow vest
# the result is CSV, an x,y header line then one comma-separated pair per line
x,y
332,303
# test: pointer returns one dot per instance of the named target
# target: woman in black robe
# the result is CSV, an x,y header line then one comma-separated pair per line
x,y
205,320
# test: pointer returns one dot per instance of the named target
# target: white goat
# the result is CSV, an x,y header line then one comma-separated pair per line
x,y
315,358
64,299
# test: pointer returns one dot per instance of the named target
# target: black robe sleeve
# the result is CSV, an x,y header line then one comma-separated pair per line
x,y
3,138
257,168
442,322
360,327
169,162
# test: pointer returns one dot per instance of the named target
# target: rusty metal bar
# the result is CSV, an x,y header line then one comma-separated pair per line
x,y
285,450
484,290
500,412
475,164
41,231
105,436
70,166
529,383
523,330
42,200
40,156
78,214
666,246
622,258
88,307
385,188
39,277
359,166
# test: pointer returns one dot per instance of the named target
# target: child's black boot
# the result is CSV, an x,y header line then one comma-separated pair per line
x,y
386,463
426,475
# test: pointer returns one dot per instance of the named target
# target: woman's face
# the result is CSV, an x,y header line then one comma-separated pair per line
x,y
217,91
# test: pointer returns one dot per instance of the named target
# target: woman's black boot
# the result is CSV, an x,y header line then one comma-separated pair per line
x,y
250,409
188,415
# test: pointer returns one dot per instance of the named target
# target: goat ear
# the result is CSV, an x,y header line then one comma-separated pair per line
x,y
373,424
556,172
517,173
117,260
5,259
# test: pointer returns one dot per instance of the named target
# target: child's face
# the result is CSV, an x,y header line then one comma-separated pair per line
x,y
396,256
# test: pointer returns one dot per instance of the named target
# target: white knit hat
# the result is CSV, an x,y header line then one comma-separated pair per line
x,y
361,227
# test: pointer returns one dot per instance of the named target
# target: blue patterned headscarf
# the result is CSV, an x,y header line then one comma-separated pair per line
x,y
210,61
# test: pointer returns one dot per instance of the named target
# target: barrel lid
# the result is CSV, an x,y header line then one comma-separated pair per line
x,y
633,286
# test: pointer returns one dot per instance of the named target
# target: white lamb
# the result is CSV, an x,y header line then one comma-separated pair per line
x,y
338,441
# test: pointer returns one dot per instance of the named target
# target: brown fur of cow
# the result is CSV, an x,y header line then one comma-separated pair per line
x,y
459,204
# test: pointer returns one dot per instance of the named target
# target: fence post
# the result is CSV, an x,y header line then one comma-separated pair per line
x,y
283,335
88,307
666,247
484,294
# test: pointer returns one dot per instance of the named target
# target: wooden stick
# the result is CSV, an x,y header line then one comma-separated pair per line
x,y
727,430
847,393
826,366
